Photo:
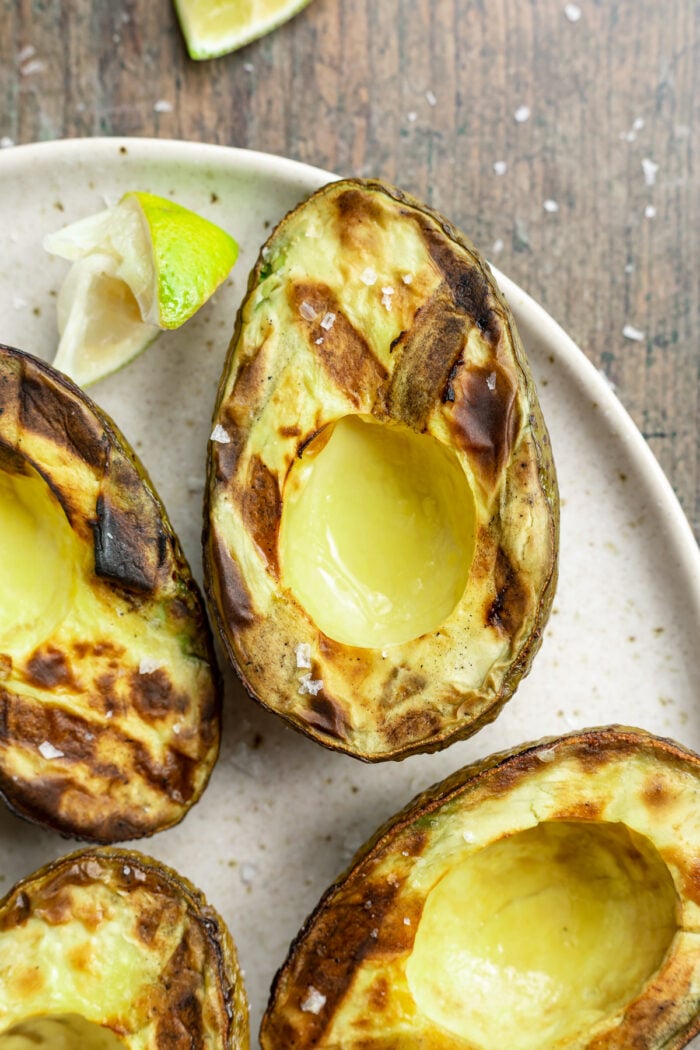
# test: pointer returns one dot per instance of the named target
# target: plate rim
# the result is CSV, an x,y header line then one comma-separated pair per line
x,y
566,350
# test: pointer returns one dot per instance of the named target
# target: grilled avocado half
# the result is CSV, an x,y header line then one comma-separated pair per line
x,y
381,546
109,693
107,949
542,899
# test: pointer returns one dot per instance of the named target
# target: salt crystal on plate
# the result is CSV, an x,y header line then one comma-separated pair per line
x,y
6,142
163,106
522,114
431,99
412,116
500,167
550,206
635,334
649,211
497,246
572,12
650,168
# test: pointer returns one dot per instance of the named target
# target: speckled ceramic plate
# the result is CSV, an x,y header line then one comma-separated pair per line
x,y
282,816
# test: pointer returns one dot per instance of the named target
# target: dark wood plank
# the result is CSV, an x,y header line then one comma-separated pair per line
x,y
424,93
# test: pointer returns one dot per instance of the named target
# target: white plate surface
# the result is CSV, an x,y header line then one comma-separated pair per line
x,y
282,816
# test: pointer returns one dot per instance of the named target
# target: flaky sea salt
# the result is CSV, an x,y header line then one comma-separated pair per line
x,y
310,685
162,105
303,654
29,69
307,311
522,114
550,206
368,276
650,168
219,435
328,321
500,167
547,754
412,117
407,278
48,751
497,246
313,1002
572,12
148,665
491,380
387,296
650,212
431,98
635,334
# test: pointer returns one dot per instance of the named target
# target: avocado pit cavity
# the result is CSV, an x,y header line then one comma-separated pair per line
x,y
39,560
62,1032
377,533
532,940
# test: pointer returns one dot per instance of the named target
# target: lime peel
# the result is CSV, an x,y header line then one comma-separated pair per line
x,y
215,27
144,265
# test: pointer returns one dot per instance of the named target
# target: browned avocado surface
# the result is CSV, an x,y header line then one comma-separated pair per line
x,y
546,897
109,693
377,401
111,938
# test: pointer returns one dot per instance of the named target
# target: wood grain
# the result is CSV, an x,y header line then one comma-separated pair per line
x,y
424,93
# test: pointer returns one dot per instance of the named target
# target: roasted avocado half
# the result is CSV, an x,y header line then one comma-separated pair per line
x,y
109,694
546,898
107,949
382,512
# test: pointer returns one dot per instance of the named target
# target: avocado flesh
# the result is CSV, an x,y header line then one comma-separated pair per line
x,y
109,949
39,562
538,899
109,689
367,313
532,923
377,532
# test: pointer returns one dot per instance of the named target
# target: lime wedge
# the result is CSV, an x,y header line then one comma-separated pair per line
x,y
139,267
215,27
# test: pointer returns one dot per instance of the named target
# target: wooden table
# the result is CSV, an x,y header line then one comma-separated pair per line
x,y
561,137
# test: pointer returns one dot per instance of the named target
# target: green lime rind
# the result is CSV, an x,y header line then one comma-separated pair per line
x,y
191,256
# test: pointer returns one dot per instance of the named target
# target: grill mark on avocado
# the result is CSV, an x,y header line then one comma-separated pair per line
x,y
27,724
344,352
425,356
469,286
45,409
48,668
326,714
261,510
154,696
121,550
509,607
483,416
339,938
236,602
